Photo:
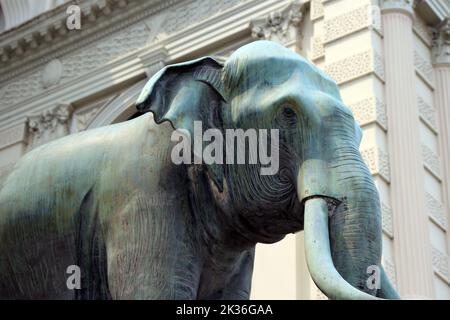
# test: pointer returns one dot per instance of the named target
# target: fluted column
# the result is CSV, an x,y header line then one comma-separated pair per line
x,y
441,63
411,240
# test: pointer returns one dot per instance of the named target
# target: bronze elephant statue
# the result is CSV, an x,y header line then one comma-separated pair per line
x,y
113,202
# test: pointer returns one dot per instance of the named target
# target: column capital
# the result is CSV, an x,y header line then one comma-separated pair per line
x,y
282,25
399,6
441,45
50,124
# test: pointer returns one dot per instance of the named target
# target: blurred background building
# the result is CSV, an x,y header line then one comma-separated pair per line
x,y
391,59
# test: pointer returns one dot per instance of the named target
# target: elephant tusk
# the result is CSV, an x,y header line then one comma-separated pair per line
x,y
318,255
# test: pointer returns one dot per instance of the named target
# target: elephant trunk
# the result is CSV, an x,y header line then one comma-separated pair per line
x,y
355,225
342,202
352,225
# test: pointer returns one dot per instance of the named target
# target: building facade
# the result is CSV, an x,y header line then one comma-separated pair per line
x,y
391,59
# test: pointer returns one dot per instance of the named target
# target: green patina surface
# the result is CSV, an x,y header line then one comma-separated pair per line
x,y
111,201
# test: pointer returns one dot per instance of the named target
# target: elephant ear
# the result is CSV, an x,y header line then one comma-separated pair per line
x,y
186,92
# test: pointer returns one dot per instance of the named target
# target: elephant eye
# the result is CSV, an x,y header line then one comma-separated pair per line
x,y
288,112
288,115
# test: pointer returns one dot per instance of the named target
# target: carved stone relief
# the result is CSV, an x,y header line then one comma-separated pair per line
x,y
431,161
387,222
356,66
424,68
423,31
427,114
317,48
49,125
441,44
435,210
317,9
281,26
368,111
389,267
350,22
122,42
377,161
440,263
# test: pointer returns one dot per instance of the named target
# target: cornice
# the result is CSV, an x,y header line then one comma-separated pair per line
x,y
46,36
436,15
434,12
219,30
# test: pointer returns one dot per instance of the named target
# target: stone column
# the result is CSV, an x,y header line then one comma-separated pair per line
x,y
441,63
411,240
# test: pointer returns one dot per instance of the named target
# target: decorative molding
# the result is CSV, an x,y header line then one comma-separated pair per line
x,y
440,264
431,161
441,44
78,63
80,66
124,42
107,26
387,221
377,161
356,66
435,210
428,114
351,22
12,136
433,12
398,6
153,59
423,31
49,125
50,27
281,26
317,48
52,73
222,23
317,10
370,110
424,69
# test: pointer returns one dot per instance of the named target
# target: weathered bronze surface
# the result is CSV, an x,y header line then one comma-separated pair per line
x,y
112,202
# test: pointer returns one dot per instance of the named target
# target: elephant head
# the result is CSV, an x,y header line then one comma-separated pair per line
x,y
321,184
